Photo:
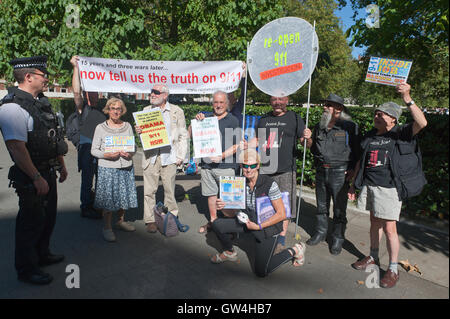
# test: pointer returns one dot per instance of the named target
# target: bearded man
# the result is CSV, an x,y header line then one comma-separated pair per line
x,y
334,144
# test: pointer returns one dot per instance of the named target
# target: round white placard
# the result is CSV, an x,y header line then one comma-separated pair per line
x,y
282,55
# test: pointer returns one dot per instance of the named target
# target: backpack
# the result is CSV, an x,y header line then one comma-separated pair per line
x,y
73,128
166,222
73,125
409,168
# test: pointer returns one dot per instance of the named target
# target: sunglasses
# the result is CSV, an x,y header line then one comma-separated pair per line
x,y
156,92
252,166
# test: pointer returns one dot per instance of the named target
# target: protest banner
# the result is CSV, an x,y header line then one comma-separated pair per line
x,y
154,133
119,143
282,56
265,210
232,191
388,71
137,76
206,137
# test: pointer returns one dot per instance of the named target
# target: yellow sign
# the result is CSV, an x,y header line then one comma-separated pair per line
x,y
154,133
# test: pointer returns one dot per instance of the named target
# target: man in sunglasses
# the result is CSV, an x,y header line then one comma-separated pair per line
x,y
334,144
36,145
162,162
88,117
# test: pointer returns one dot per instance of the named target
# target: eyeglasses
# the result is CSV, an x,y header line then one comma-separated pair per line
x,y
44,75
119,109
252,166
156,92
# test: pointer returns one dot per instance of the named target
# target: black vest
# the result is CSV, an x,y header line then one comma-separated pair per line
x,y
46,140
262,187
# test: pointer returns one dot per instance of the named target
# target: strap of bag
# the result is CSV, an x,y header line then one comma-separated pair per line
x,y
181,227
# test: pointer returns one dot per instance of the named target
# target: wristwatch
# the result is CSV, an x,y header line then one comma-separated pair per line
x,y
36,176
410,103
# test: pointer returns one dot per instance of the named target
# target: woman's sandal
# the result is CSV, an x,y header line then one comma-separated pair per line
x,y
299,257
205,228
216,259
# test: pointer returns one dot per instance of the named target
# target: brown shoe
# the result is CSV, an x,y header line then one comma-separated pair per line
x,y
151,227
364,263
389,279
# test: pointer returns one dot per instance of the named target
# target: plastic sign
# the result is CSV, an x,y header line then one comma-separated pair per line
x,y
282,55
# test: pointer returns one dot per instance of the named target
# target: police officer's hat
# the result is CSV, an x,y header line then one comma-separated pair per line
x,y
35,62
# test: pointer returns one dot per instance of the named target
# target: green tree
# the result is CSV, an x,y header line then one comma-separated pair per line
x,y
416,30
336,71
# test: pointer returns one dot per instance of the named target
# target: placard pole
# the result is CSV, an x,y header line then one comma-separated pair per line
x,y
304,145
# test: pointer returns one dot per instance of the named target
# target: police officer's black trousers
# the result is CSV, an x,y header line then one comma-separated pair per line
x,y
330,184
34,224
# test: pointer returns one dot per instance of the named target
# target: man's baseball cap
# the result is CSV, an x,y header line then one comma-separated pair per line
x,y
391,109
35,62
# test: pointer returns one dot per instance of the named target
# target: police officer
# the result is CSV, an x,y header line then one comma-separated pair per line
x,y
36,145
334,145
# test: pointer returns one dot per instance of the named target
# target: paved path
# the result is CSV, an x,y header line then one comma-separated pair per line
x,y
143,265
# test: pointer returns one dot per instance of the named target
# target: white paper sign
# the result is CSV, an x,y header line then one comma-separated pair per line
x,y
206,137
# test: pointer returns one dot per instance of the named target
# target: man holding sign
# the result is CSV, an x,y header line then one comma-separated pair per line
x,y
162,162
225,163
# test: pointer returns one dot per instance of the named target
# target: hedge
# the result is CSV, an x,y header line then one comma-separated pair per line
x,y
433,141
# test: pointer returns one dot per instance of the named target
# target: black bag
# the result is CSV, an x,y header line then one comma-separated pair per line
x,y
73,125
409,168
73,128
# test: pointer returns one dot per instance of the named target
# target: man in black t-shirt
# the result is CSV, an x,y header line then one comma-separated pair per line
x,y
224,165
378,177
277,136
89,117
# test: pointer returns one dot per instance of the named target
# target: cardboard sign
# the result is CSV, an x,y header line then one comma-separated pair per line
x,y
154,133
388,71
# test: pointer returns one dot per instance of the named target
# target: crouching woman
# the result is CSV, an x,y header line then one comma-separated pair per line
x,y
265,234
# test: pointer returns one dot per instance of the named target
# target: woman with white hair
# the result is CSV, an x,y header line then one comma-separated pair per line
x,y
116,188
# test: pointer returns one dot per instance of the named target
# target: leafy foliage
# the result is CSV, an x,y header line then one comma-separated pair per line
x,y
415,30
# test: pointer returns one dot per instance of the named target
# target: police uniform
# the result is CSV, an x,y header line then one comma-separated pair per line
x,y
44,142
335,152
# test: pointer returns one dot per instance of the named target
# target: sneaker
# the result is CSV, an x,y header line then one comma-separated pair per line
x,y
125,226
108,235
364,263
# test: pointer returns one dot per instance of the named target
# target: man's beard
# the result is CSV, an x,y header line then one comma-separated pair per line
x,y
325,120
157,101
327,116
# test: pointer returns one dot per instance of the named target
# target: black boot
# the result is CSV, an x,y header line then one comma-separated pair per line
x,y
338,239
321,230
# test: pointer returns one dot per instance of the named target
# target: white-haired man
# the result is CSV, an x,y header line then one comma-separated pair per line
x,y
162,162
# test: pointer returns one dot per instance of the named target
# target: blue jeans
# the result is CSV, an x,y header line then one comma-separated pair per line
x,y
87,164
